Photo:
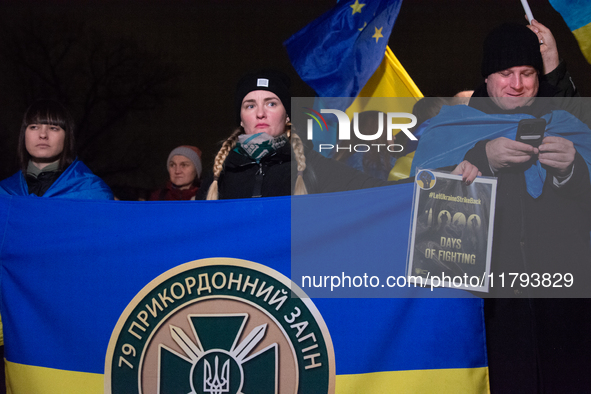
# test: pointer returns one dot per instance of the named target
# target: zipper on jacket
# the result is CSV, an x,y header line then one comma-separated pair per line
x,y
258,182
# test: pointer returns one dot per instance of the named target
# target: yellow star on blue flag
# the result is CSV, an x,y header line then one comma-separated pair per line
x,y
356,7
378,34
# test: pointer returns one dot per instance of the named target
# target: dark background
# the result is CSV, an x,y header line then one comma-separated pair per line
x,y
142,77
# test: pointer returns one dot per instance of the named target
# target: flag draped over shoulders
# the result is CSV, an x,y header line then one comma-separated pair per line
x,y
456,130
77,181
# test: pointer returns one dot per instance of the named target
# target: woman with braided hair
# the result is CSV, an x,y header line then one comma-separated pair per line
x,y
256,160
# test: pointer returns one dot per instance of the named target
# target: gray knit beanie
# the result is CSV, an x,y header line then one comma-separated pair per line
x,y
190,152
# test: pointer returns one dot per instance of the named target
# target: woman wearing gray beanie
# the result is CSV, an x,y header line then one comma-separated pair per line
x,y
184,169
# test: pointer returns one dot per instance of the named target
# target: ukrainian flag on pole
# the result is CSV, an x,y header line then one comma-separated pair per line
x,y
390,80
577,15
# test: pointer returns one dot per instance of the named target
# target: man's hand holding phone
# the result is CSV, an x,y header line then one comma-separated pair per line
x,y
531,131
558,154
503,153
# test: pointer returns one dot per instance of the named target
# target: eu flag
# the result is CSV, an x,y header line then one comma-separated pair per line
x,y
338,53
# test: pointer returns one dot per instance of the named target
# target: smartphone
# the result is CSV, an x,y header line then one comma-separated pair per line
x,y
531,131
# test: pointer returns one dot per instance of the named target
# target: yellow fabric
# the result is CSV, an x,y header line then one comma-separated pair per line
x,y
401,169
440,381
389,80
583,36
28,379
25,379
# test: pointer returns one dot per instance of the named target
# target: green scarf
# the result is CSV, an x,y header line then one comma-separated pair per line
x,y
257,146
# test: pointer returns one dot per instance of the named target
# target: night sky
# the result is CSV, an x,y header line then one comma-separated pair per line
x,y
210,44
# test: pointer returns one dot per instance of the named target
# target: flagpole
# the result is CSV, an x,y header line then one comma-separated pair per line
x,y
525,5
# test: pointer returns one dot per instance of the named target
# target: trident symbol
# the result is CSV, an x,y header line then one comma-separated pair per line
x,y
216,384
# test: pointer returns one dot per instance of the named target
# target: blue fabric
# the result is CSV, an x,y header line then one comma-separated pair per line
x,y
576,13
61,298
334,57
76,182
456,130
412,145
403,340
356,161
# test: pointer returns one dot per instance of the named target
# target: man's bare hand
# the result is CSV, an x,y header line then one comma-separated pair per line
x,y
503,152
548,47
468,171
558,154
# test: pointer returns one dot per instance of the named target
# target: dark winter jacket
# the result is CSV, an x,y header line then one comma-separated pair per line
x,y
173,193
538,344
275,175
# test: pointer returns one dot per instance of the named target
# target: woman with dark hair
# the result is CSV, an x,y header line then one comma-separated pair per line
x,y
256,160
47,159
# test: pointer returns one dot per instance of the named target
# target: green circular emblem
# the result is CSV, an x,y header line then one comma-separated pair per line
x,y
218,326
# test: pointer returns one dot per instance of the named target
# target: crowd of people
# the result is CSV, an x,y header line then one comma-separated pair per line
x,y
534,344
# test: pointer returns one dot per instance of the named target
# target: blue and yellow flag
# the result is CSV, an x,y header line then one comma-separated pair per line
x,y
344,54
577,15
390,80
184,297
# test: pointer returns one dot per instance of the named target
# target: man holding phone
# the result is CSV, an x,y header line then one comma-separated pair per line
x,y
535,343
513,67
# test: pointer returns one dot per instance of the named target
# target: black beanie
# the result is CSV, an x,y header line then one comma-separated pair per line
x,y
511,45
270,80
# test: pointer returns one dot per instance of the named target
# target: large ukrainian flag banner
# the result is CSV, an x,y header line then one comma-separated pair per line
x,y
577,15
105,295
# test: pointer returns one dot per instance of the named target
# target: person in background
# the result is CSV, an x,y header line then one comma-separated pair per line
x,y
184,169
47,158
